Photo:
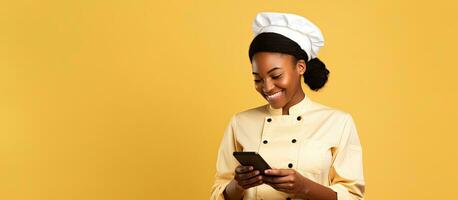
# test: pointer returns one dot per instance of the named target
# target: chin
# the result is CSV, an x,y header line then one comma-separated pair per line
x,y
276,105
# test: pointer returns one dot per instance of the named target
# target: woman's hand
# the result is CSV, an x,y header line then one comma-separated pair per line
x,y
246,177
288,181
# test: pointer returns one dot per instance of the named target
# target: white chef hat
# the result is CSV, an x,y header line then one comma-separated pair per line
x,y
295,27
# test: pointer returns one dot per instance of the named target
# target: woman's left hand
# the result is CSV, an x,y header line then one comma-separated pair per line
x,y
287,180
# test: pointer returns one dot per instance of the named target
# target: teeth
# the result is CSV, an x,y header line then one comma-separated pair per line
x,y
274,95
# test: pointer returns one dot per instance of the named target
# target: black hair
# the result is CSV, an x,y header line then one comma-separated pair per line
x,y
316,73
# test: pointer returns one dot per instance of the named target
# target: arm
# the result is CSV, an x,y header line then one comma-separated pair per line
x,y
224,184
346,173
233,191
316,191
232,179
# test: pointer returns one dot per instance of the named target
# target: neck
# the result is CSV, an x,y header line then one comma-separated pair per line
x,y
296,99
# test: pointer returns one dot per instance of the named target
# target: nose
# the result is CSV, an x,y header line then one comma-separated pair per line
x,y
267,86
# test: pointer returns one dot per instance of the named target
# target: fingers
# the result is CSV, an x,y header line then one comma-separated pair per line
x,y
245,172
284,180
253,184
278,179
283,186
257,180
246,175
279,172
243,169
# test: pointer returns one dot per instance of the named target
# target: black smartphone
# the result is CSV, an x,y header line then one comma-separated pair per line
x,y
251,158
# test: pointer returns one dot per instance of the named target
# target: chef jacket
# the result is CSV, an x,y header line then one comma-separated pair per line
x,y
319,142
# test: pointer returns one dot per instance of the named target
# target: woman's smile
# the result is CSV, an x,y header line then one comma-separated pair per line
x,y
275,96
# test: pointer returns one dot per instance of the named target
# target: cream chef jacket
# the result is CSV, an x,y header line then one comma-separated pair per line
x,y
319,142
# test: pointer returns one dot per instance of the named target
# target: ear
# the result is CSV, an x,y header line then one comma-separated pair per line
x,y
301,66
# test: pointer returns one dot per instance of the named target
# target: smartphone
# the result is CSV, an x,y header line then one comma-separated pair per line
x,y
251,158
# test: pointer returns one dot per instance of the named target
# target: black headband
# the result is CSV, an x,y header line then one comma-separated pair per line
x,y
274,42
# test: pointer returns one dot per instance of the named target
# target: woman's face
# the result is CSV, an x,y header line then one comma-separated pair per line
x,y
277,77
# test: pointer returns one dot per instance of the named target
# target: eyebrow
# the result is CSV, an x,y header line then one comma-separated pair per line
x,y
269,70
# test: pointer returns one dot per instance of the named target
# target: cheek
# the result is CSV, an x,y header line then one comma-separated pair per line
x,y
257,87
284,83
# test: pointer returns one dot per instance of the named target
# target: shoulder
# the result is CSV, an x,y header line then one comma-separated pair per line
x,y
327,111
339,122
258,112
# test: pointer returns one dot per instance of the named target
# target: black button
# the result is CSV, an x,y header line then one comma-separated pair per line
x,y
290,165
269,120
299,118
265,141
288,198
293,141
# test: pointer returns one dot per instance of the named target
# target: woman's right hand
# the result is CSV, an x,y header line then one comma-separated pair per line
x,y
246,177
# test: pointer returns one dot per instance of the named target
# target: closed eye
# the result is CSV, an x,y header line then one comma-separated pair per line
x,y
276,77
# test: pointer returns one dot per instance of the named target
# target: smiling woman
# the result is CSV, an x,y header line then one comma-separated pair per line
x,y
314,149
277,64
277,79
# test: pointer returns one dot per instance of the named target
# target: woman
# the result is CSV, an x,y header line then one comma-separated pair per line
x,y
314,150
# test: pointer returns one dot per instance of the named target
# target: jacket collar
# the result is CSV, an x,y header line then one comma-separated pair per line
x,y
296,109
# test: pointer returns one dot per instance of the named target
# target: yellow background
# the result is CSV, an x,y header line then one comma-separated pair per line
x,y
129,99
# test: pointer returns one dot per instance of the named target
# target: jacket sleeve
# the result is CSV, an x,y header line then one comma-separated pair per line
x,y
346,172
225,163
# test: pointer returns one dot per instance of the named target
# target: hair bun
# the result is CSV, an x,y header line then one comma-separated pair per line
x,y
316,74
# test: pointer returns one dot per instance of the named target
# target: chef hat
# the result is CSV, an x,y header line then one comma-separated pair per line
x,y
294,27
